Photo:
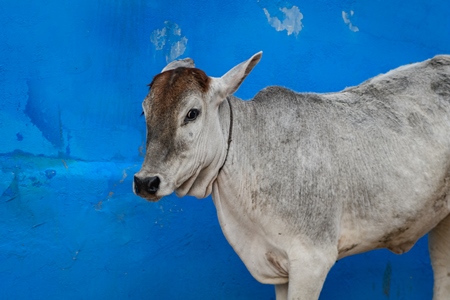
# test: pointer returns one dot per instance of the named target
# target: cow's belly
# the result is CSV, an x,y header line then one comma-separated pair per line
x,y
390,230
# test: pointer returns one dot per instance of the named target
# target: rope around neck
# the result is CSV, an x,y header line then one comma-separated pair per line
x,y
230,131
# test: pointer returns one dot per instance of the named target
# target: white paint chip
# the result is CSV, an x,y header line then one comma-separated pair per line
x,y
158,38
292,21
346,17
169,40
177,49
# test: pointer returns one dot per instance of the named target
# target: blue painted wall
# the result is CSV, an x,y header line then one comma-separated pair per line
x,y
72,78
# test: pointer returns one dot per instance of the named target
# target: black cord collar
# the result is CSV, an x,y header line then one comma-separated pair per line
x,y
230,131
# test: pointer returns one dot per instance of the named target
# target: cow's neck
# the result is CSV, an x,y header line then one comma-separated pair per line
x,y
232,115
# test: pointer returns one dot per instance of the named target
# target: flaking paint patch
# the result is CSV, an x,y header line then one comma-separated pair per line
x,y
169,40
158,38
291,21
346,17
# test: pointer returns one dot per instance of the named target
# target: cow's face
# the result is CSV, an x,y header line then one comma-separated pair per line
x,y
183,133
186,144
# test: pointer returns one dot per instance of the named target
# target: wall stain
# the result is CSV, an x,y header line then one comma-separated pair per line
x,y
44,115
387,276
19,136
99,205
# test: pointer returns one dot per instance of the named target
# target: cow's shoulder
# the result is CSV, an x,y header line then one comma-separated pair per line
x,y
276,95
273,92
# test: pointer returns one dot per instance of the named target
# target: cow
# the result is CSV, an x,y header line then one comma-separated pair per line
x,y
301,180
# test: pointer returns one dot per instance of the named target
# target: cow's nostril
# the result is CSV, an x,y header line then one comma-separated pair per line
x,y
148,185
153,185
137,184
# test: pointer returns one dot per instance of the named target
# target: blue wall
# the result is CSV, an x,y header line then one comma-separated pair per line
x,y
72,78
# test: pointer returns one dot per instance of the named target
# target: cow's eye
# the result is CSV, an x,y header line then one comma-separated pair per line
x,y
192,115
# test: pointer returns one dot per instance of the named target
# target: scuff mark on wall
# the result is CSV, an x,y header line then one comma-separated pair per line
x,y
65,164
346,17
282,15
124,175
387,276
291,20
169,40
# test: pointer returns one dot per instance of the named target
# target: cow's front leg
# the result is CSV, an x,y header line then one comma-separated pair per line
x,y
281,291
307,273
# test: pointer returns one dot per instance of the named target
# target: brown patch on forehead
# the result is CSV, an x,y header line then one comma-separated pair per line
x,y
168,87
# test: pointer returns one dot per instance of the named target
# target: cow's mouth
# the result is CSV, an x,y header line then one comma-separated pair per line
x,y
145,195
151,198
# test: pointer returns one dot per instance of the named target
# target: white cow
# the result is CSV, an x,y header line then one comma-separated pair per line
x,y
302,180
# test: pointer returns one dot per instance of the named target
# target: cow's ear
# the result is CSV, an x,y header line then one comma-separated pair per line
x,y
230,82
186,63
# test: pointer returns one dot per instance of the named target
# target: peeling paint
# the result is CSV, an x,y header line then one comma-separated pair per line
x,y
158,38
169,40
291,20
346,17
177,49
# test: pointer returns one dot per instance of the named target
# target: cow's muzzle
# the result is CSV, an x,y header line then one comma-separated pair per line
x,y
147,186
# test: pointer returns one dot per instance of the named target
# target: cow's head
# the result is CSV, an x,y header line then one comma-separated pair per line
x,y
186,146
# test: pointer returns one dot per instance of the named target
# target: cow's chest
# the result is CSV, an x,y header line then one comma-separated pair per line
x,y
257,239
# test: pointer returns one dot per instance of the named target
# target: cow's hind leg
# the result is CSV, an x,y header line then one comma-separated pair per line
x,y
439,244
281,291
